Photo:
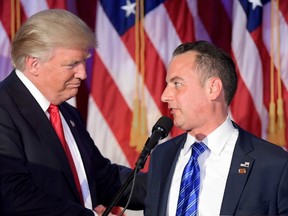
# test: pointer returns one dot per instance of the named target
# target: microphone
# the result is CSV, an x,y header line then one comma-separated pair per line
x,y
160,130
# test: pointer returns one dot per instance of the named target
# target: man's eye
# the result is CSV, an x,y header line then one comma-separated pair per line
x,y
177,84
73,65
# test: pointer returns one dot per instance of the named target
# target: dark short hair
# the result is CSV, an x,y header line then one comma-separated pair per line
x,y
212,61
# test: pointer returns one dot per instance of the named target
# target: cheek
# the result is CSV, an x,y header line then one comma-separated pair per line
x,y
53,80
196,103
56,84
61,78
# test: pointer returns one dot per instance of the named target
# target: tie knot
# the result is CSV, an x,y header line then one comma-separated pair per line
x,y
197,149
53,109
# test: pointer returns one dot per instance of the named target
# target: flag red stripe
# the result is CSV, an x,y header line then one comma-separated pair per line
x,y
155,75
221,38
113,107
183,22
5,16
283,7
60,4
265,61
87,12
155,71
242,108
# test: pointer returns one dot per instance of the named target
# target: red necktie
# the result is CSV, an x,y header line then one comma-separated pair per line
x,y
56,123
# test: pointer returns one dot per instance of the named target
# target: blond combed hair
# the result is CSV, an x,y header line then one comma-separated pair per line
x,y
47,30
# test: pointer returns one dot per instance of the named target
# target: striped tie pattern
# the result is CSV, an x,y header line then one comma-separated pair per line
x,y
190,183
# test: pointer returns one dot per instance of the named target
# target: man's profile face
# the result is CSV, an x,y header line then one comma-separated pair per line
x,y
60,77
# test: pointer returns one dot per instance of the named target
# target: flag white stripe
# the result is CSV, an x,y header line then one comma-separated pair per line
x,y
162,33
103,136
200,30
243,48
120,65
283,41
32,8
5,60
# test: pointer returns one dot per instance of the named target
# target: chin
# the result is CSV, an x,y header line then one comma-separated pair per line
x,y
71,98
177,124
73,93
181,125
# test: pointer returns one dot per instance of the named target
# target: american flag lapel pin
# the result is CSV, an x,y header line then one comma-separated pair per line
x,y
245,164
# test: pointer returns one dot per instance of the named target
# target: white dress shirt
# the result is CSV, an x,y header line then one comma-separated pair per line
x,y
214,166
44,104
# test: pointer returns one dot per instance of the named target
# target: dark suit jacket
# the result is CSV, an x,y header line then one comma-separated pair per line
x,y
262,190
35,177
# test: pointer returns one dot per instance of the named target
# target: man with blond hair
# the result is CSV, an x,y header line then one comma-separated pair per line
x,y
49,165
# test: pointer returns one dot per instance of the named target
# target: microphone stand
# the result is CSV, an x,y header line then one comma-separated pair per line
x,y
139,165
160,129
121,191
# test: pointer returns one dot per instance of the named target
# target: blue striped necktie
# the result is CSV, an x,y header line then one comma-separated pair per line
x,y
190,183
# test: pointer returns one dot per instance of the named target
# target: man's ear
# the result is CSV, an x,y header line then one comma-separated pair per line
x,y
32,65
215,87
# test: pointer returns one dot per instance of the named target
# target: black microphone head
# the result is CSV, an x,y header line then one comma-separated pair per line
x,y
163,125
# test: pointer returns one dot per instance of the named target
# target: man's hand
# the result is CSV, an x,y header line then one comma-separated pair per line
x,y
100,210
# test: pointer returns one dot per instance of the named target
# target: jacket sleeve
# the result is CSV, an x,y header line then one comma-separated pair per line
x,y
19,195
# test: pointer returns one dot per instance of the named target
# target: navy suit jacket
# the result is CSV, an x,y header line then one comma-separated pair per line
x,y
35,177
262,190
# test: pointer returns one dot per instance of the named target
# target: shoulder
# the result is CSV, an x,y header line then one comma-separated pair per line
x,y
4,85
269,149
259,147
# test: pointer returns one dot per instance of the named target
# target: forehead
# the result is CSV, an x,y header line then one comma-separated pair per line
x,y
68,53
182,64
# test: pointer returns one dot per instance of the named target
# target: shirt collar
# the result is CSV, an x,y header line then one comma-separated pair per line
x,y
187,146
39,97
216,140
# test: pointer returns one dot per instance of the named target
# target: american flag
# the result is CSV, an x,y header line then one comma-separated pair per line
x,y
120,100
124,87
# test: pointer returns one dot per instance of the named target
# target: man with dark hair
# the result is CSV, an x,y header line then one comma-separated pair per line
x,y
230,171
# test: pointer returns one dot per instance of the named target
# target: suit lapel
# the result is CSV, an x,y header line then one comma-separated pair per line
x,y
240,169
74,122
41,125
171,157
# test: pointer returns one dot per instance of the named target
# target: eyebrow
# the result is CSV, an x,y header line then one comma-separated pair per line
x,y
173,79
75,61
